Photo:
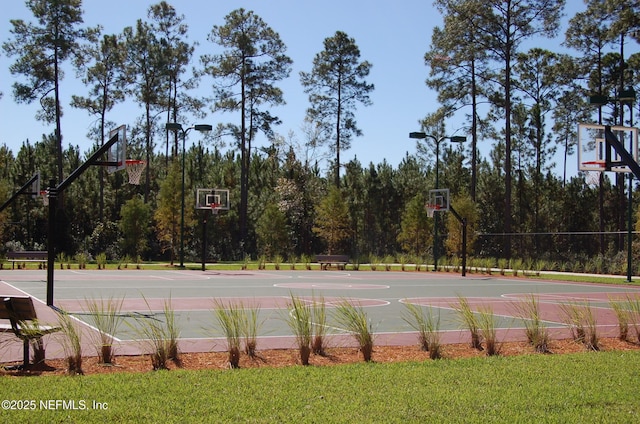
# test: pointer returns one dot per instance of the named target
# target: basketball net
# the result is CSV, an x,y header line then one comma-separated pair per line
x,y
45,198
431,209
592,177
214,208
134,170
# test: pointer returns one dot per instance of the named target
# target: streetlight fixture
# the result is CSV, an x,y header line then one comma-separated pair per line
x,y
455,139
174,126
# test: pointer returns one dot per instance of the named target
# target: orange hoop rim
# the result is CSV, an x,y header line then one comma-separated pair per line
x,y
598,163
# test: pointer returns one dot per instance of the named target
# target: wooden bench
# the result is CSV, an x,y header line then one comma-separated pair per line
x,y
327,260
26,256
23,322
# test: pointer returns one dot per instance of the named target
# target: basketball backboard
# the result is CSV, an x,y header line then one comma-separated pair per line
x,y
35,186
212,198
595,154
438,201
117,154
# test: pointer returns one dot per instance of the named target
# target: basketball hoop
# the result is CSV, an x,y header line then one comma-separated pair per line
x,y
45,198
134,170
432,208
214,208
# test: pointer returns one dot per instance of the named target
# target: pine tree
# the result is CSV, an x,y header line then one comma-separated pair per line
x,y
335,85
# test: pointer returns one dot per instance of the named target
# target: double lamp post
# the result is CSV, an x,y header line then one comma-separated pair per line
x,y
455,139
174,126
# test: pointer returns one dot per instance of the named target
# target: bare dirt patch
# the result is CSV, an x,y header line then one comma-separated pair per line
x,y
278,358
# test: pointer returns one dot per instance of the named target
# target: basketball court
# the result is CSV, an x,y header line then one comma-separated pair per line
x,y
192,295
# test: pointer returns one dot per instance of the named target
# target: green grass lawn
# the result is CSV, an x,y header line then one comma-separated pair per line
x,y
576,388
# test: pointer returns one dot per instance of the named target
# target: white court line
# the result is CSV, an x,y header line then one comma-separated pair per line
x,y
161,278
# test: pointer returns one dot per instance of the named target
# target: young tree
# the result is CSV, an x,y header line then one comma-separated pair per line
x,y
416,227
332,221
134,224
41,49
169,210
272,230
335,85
245,75
468,210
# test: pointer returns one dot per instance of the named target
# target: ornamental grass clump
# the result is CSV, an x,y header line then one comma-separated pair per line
x,y
535,329
469,320
172,331
105,316
582,322
633,305
353,319
230,317
427,325
624,316
319,325
250,326
71,342
487,324
299,320
160,336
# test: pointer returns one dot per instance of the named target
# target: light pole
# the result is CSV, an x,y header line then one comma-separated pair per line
x,y
455,139
174,126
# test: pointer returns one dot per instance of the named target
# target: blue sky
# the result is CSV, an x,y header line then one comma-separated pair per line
x,y
393,36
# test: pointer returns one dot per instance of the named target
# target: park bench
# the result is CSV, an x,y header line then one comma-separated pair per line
x,y
26,256
327,260
23,323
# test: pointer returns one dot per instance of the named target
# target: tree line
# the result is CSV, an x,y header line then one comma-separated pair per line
x,y
526,102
